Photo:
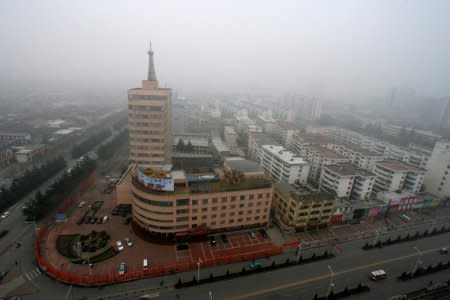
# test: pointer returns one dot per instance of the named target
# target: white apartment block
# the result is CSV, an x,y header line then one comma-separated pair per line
x,y
414,155
284,132
347,181
230,136
283,165
394,175
319,157
255,143
437,179
360,157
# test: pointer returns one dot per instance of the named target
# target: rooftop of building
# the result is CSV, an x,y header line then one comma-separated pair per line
x,y
348,169
264,139
229,130
327,153
197,141
301,192
399,166
358,149
243,165
287,125
314,138
284,155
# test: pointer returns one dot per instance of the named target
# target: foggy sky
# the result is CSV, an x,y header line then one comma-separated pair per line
x,y
331,49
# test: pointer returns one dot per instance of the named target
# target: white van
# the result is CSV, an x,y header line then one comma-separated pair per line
x,y
378,274
145,264
105,219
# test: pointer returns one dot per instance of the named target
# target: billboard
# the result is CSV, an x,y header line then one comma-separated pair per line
x,y
156,184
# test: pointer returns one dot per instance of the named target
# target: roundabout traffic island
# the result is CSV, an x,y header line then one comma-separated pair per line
x,y
90,248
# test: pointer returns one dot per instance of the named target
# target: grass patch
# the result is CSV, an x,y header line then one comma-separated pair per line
x,y
64,245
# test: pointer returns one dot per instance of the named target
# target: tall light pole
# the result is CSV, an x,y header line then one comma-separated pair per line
x,y
419,259
331,285
299,250
377,235
199,262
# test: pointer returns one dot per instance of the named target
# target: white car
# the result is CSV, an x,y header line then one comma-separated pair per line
x,y
128,242
5,214
119,245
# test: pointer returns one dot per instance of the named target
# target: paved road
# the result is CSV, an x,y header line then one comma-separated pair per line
x,y
299,282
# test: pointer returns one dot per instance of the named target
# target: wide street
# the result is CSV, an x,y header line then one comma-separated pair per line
x,y
351,266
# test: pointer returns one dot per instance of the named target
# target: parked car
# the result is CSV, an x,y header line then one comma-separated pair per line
x,y
105,219
122,268
183,246
5,214
128,221
255,264
87,220
119,245
3,233
30,219
3,274
224,238
443,250
212,240
263,233
252,234
99,221
128,242
81,204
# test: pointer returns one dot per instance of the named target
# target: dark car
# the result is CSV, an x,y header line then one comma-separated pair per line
x,y
213,241
99,221
93,220
87,220
224,238
263,233
183,246
443,251
3,233
128,221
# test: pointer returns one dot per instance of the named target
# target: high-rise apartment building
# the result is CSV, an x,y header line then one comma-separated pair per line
x,y
437,178
150,122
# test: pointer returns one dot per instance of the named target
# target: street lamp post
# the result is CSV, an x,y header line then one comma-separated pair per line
x,y
299,250
331,284
419,259
377,235
199,262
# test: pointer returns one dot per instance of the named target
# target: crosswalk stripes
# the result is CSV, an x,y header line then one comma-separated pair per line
x,y
32,274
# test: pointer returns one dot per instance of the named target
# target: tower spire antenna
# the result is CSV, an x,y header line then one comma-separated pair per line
x,y
151,75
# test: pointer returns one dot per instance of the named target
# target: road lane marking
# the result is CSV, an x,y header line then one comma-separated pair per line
x,y
321,277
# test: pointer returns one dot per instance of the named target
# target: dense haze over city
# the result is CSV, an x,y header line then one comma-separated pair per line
x,y
350,51
224,150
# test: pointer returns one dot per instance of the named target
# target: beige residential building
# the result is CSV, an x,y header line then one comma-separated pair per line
x,y
394,175
150,122
299,208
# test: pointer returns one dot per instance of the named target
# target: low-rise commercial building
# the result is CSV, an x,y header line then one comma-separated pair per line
x,y
170,205
398,202
299,208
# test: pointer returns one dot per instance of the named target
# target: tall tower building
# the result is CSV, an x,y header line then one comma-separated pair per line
x,y
150,122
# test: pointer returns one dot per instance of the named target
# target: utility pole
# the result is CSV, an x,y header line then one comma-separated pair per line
x,y
299,250
199,262
419,259
377,236
331,284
